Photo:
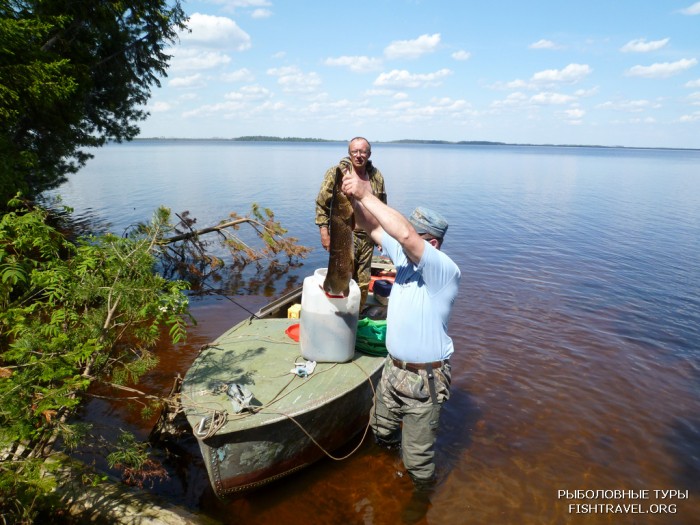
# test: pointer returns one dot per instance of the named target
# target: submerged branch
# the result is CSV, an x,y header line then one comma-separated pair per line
x,y
196,233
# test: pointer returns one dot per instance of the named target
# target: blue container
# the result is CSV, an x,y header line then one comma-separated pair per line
x,y
382,289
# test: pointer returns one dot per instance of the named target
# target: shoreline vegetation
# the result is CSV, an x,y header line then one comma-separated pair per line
x,y
265,138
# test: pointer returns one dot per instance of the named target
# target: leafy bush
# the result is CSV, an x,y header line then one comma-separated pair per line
x,y
70,313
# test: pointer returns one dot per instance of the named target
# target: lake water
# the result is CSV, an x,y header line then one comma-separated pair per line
x,y
577,327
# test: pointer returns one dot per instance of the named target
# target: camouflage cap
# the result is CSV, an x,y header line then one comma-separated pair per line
x,y
425,220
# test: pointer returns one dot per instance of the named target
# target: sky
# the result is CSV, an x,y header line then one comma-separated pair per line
x,y
599,72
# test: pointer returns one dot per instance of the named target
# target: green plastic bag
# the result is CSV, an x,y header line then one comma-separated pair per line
x,y
371,336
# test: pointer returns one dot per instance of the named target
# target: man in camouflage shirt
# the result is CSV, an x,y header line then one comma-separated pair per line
x,y
360,151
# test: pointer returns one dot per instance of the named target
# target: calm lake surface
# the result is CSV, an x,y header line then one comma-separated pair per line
x,y
577,327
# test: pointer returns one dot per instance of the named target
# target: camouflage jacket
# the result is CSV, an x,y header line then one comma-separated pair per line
x,y
325,195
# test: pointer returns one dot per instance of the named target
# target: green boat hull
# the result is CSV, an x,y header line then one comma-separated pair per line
x,y
290,421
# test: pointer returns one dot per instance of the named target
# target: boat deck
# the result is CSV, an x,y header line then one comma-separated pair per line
x,y
260,355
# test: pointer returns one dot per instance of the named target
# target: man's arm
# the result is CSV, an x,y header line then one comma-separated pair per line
x,y
376,217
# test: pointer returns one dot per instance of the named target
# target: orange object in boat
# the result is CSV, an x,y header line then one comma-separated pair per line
x,y
293,332
385,276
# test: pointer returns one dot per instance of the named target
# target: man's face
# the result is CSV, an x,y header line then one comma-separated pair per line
x,y
359,153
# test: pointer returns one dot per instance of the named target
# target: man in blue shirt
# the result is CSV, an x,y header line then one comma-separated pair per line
x,y
416,377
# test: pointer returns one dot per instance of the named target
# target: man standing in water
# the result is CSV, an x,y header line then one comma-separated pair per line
x,y
416,376
360,151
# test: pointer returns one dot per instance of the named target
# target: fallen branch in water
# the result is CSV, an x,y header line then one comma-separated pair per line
x,y
219,227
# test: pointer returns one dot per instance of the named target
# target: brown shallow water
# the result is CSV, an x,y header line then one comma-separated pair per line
x,y
539,405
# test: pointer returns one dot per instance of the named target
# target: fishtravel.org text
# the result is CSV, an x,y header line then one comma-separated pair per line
x,y
623,501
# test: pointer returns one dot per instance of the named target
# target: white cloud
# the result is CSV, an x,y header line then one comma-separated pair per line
x,y
189,59
583,93
187,82
513,84
244,103
449,104
240,75
403,78
514,99
249,93
412,48
632,106
694,98
642,46
160,107
232,5
645,120
570,74
572,116
364,113
548,98
378,93
403,105
530,105
216,31
261,13
662,70
293,80
327,107
461,55
444,107
358,64
692,10
692,83
269,107
574,113
221,109
693,117
544,44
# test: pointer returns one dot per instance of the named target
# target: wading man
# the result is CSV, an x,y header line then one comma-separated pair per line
x,y
360,150
416,376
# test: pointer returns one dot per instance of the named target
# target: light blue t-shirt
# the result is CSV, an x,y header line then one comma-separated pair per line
x,y
420,304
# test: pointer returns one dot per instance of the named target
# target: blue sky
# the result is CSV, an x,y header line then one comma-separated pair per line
x,y
610,72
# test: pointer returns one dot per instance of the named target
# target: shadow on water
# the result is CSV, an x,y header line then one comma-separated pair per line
x,y
459,418
683,441
684,445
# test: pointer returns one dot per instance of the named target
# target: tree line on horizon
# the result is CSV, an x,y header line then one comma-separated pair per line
x,y
268,138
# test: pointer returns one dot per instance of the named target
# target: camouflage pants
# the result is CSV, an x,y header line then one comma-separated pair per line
x,y
404,396
364,249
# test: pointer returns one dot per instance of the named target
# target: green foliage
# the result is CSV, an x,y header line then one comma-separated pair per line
x,y
132,458
128,452
20,484
71,314
75,73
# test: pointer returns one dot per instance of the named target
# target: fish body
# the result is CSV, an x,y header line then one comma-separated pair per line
x,y
341,252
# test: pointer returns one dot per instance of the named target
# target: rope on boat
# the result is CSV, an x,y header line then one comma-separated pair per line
x,y
364,434
211,424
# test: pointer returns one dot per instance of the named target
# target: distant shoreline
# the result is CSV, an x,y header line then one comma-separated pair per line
x,y
263,138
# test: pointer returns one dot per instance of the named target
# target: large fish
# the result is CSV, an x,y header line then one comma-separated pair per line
x,y
341,252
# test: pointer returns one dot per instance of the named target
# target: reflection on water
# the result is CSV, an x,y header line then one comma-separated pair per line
x,y
577,363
